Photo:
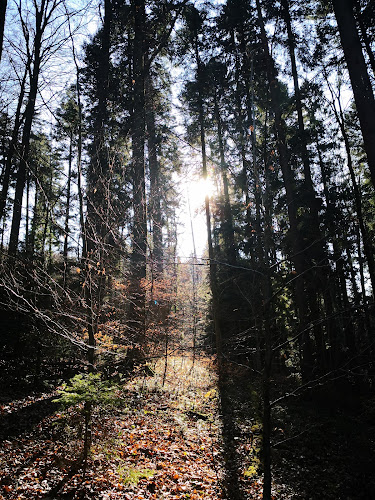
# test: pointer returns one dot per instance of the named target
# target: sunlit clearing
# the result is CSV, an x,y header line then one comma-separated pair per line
x,y
198,190
182,372
179,373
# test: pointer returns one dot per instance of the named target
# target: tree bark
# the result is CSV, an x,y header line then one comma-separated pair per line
x,y
12,145
67,208
228,230
42,18
3,8
36,217
361,84
98,203
139,242
317,249
239,124
367,244
155,192
309,187
267,424
365,38
98,172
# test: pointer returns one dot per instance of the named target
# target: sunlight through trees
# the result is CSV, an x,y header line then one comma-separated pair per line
x,y
189,179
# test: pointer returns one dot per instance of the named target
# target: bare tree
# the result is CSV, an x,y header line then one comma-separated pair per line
x,y
41,25
3,8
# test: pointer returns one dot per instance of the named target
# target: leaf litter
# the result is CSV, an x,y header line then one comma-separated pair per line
x,y
161,442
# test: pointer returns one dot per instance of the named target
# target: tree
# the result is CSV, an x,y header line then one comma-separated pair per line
x,y
291,195
194,23
43,16
361,84
68,124
227,220
44,166
12,148
3,8
139,229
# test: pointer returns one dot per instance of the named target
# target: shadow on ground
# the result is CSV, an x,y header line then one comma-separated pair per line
x,y
232,405
26,418
323,442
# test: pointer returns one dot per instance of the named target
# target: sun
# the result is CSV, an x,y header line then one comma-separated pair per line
x,y
197,190
193,224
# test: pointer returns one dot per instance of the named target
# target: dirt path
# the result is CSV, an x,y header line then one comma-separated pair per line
x,y
166,440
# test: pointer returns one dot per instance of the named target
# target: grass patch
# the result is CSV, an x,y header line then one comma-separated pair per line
x,y
133,476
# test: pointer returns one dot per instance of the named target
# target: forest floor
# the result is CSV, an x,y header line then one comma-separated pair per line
x,y
193,437
162,441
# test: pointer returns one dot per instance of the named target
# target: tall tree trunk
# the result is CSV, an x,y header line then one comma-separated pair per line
x,y
365,38
291,196
3,8
213,268
267,370
27,235
363,287
309,187
317,249
248,75
98,172
331,214
258,188
194,279
264,253
48,262
67,207
97,223
139,250
45,227
361,84
352,275
12,145
367,244
36,216
268,209
40,25
228,230
155,192
239,124
79,149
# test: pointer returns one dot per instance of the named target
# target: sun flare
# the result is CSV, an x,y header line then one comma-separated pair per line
x,y
198,190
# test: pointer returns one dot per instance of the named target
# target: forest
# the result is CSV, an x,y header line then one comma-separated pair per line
x,y
134,364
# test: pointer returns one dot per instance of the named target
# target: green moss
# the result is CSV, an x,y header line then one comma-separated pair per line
x,y
133,476
253,470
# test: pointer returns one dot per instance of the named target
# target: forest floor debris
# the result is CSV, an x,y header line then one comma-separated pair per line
x,y
154,445
194,437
